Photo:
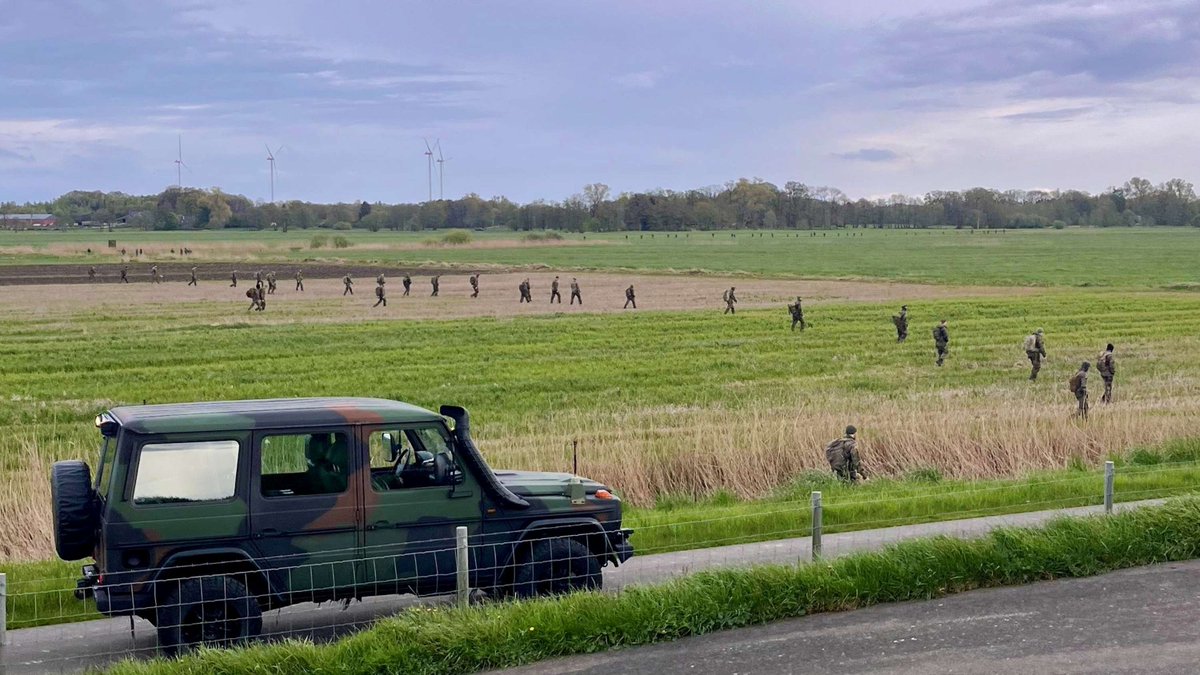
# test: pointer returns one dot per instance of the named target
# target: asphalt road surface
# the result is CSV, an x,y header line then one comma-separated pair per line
x,y
74,647
1144,620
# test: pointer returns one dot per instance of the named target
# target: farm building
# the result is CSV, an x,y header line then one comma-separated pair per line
x,y
21,221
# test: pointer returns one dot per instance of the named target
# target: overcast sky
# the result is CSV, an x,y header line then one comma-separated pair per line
x,y
535,98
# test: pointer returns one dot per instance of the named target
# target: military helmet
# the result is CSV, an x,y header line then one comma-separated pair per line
x,y
851,430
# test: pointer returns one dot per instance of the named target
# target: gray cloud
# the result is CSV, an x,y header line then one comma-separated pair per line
x,y
16,156
868,155
1060,114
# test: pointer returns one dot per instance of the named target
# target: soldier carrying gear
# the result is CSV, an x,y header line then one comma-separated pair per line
x,y
475,285
1107,365
575,291
797,311
271,282
554,292
252,293
526,293
92,273
233,278
629,298
299,280
154,278
941,338
901,321
730,301
1078,386
349,284
434,282
380,294
842,454
125,273
407,283
1035,349
192,281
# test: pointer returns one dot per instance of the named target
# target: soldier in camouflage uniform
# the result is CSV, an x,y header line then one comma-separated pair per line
x,y
554,292
407,283
252,293
526,293
1106,363
901,321
1035,349
1078,386
271,282
475,285
233,279
258,279
379,280
730,300
434,282
380,293
630,299
349,285
154,277
797,312
941,339
842,454
192,281
299,280
92,273
125,274
575,294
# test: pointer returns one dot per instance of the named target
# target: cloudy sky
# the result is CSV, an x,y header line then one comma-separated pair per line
x,y
534,98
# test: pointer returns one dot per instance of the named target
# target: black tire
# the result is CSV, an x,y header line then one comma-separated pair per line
x,y
74,509
210,611
556,566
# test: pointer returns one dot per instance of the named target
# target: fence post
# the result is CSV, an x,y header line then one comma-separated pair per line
x,y
1109,471
3,612
816,526
460,557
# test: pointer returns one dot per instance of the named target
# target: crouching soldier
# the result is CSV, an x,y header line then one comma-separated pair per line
x,y
843,457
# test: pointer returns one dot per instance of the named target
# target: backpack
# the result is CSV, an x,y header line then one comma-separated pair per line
x,y
1031,343
1103,364
1073,384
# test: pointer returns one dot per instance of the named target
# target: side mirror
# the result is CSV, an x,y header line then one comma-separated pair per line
x,y
393,448
443,469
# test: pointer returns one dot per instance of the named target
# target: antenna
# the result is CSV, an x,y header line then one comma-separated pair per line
x,y
271,160
441,162
429,158
179,165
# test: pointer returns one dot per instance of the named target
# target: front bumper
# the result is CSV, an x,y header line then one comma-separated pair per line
x,y
622,549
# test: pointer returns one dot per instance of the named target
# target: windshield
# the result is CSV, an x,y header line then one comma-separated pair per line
x,y
108,451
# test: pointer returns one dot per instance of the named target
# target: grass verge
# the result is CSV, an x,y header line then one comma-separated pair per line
x,y
449,640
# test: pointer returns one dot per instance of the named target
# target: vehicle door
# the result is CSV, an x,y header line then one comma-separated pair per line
x,y
306,510
415,495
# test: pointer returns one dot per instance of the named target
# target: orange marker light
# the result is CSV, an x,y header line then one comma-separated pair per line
x,y
604,494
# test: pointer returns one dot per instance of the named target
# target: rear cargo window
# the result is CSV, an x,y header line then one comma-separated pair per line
x,y
200,471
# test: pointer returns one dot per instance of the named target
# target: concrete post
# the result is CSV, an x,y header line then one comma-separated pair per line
x,y
1109,472
3,612
461,564
816,526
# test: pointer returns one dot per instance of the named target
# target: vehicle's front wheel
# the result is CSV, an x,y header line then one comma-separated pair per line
x,y
210,611
556,566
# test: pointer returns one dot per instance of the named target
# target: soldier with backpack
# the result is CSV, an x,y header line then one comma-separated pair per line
x,y
1107,365
901,321
842,454
1035,349
797,312
1078,386
730,300
941,339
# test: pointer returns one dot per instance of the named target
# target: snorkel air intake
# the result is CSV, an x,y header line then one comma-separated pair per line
x,y
471,456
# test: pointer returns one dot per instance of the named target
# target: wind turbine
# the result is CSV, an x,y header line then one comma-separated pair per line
x,y
179,165
429,158
271,159
441,162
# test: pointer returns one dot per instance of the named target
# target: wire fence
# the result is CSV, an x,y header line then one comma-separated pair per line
x,y
47,625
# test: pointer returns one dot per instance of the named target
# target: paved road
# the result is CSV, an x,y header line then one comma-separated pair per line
x,y
1142,620
74,647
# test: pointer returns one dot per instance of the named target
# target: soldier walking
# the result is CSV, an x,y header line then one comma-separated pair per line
x,y
271,282
349,285
379,293
299,280
941,338
1035,349
407,283
901,321
575,291
1107,365
125,274
797,311
526,292
379,280
1078,386
475,285
629,298
842,454
192,280
434,282
92,273
154,278
730,301
233,278
554,292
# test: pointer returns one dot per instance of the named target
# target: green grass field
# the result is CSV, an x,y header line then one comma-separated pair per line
x,y
1119,257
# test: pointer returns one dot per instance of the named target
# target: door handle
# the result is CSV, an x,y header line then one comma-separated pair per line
x,y
269,532
379,525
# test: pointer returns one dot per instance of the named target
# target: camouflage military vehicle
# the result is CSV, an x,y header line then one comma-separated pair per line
x,y
203,515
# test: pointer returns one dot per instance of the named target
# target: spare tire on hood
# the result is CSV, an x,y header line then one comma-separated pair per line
x,y
75,503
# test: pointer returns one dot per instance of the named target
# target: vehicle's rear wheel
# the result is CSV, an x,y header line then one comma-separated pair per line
x,y
556,566
210,611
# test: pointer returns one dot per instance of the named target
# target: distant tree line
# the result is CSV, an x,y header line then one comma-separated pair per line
x,y
738,204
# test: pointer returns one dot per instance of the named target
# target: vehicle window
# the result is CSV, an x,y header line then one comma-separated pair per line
x,y
304,464
201,471
411,458
108,451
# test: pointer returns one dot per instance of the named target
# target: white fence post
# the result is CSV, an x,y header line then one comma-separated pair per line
x,y
1109,472
816,526
460,557
3,612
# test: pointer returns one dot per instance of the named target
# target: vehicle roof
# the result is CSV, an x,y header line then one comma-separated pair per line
x,y
266,413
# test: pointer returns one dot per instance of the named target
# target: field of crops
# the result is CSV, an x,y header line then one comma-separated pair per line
x,y
1119,257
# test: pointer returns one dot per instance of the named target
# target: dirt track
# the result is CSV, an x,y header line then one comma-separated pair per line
x,y
72,273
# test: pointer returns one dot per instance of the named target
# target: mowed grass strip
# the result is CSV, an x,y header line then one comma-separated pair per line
x,y
450,640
